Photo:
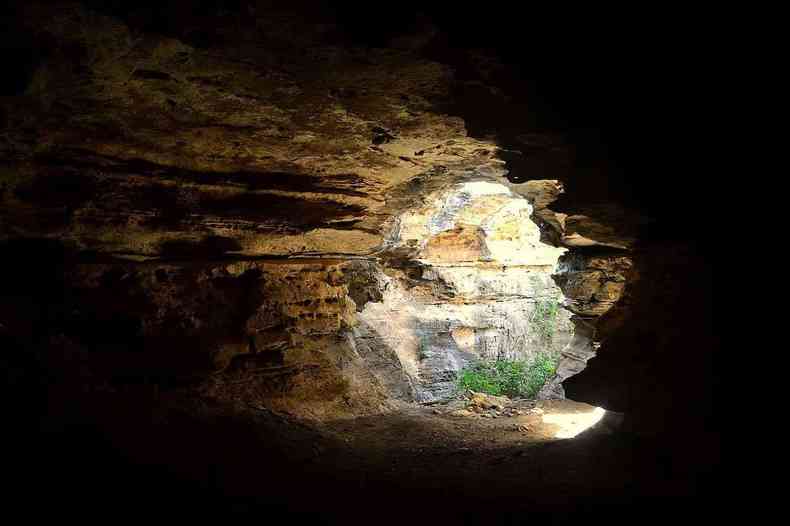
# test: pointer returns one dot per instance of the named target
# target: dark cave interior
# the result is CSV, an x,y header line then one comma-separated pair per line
x,y
241,246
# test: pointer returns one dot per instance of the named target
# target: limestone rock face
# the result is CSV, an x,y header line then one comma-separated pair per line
x,y
434,339
255,207
593,284
480,290
476,221
225,324
645,366
146,146
459,244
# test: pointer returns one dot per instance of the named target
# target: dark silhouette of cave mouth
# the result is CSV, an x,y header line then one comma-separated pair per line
x,y
136,445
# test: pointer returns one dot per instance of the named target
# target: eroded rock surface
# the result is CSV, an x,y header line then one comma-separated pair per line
x,y
191,168
139,144
240,240
477,286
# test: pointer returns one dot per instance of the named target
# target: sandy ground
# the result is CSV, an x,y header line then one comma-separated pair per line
x,y
453,426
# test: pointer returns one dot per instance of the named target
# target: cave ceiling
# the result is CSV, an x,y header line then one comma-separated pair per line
x,y
258,136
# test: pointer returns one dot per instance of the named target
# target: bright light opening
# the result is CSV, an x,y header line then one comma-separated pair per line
x,y
571,424
479,290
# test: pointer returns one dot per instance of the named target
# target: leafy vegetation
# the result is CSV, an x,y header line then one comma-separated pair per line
x,y
513,378
544,318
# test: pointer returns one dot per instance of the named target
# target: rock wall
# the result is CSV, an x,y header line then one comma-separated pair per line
x,y
249,332
149,145
434,339
657,357
188,163
475,287
592,284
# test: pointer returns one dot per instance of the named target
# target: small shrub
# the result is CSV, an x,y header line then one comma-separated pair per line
x,y
513,378
481,378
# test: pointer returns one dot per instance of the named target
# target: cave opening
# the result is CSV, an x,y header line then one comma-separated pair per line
x,y
267,254
470,320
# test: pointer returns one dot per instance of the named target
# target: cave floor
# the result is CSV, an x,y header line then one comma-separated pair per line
x,y
450,426
203,458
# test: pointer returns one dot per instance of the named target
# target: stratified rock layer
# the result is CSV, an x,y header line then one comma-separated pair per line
x,y
477,286
188,172
144,145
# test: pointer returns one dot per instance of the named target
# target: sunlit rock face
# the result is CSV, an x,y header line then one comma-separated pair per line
x,y
483,277
152,146
487,219
168,157
220,216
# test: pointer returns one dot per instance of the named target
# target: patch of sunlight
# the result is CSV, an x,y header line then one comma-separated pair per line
x,y
571,424
476,188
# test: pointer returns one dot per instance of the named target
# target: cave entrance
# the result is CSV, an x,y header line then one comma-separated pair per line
x,y
469,304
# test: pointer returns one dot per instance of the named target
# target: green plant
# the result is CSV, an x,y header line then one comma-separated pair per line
x,y
544,318
514,378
